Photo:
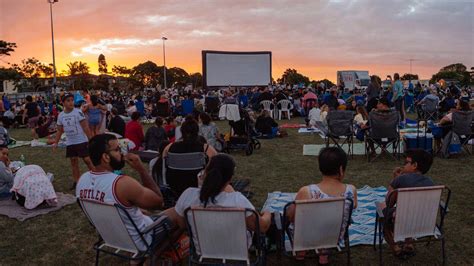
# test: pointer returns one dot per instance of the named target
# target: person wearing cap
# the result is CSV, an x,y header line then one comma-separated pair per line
x,y
73,123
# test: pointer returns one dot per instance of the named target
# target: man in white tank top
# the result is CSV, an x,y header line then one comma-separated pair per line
x,y
103,185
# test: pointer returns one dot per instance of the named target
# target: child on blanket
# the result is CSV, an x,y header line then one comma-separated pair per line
x,y
332,164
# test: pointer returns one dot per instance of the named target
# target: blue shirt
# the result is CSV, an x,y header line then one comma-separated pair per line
x,y
397,90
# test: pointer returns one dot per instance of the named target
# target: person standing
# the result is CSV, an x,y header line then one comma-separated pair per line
x,y
373,93
397,97
73,123
134,131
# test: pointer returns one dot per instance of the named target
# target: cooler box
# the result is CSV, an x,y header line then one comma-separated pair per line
x,y
412,141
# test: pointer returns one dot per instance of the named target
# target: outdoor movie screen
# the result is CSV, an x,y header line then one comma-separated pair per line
x,y
236,68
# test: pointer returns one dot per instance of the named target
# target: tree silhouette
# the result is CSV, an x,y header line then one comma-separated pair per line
x,y
6,48
102,64
291,76
147,74
456,72
408,76
122,71
78,68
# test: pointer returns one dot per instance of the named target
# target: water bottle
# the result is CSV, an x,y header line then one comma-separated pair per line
x,y
22,159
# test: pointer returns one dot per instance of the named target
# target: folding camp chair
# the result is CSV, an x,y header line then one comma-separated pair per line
x,y
383,133
284,106
268,106
114,238
416,216
318,225
211,106
462,122
220,236
341,128
180,170
429,109
163,109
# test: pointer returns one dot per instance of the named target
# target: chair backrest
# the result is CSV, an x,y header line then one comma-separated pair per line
x,y
340,123
212,104
220,233
384,124
186,161
109,224
267,105
162,109
462,122
318,223
416,212
430,105
284,105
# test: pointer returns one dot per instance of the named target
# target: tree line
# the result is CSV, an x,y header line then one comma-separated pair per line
x,y
149,74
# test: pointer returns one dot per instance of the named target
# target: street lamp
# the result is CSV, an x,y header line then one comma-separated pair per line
x,y
51,2
164,61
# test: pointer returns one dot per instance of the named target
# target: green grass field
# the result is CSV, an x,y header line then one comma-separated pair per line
x,y
65,237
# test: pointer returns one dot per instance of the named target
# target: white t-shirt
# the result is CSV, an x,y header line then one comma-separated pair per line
x,y
314,114
190,198
360,120
71,123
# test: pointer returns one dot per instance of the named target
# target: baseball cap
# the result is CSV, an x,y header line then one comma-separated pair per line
x,y
67,95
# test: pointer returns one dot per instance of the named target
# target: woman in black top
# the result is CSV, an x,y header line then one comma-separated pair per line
x,y
265,124
180,180
31,113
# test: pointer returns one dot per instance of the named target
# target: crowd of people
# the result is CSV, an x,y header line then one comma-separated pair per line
x,y
83,117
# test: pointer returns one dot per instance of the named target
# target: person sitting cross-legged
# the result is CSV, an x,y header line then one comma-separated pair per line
x,y
332,165
417,163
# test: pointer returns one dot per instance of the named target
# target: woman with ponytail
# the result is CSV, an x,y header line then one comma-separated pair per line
x,y
216,191
179,180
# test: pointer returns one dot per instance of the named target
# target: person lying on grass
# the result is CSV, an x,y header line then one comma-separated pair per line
x,y
332,165
417,163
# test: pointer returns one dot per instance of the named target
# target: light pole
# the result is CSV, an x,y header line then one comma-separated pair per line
x,y
51,2
164,61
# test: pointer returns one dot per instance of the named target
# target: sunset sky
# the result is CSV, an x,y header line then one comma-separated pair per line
x,y
315,37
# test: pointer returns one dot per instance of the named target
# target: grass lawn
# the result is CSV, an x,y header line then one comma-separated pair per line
x,y
66,237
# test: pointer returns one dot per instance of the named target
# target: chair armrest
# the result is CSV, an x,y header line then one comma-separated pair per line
x,y
442,205
379,207
277,219
162,219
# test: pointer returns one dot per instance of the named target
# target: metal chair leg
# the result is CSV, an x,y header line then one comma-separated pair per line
x,y
375,230
380,243
97,258
443,251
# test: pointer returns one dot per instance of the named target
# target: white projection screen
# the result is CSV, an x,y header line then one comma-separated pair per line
x,y
236,68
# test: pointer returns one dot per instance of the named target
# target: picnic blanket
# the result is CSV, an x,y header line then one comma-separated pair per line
x,y
361,231
11,209
19,143
286,125
305,130
359,148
